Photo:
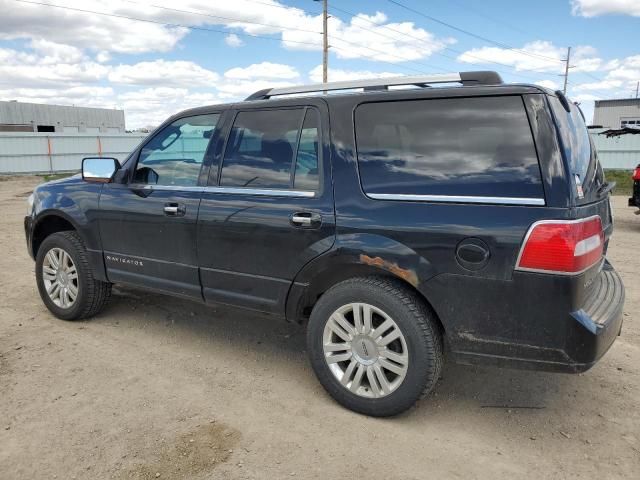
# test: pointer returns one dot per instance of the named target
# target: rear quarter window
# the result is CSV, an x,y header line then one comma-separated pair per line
x,y
479,146
577,146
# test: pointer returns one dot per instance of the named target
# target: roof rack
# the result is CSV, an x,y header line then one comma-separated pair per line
x,y
465,78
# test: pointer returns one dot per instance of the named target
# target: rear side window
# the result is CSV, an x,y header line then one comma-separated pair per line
x,y
273,149
479,146
577,146
306,173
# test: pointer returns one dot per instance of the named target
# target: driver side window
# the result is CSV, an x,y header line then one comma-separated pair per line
x,y
174,156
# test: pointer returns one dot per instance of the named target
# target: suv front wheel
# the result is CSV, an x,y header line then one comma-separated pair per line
x,y
374,345
65,280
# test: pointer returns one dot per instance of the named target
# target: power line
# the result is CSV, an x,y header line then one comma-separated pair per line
x,y
286,7
237,20
488,17
166,24
471,34
226,32
483,60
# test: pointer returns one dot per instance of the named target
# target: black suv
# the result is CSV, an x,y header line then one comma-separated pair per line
x,y
396,223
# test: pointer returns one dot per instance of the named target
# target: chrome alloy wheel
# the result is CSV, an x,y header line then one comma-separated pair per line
x,y
365,350
60,278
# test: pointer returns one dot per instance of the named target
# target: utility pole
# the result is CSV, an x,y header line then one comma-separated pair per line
x,y
566,70
637,88
325,43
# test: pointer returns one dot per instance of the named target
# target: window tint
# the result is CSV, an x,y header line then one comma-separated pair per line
x,y
174,156
464,146
262,147
576,142
306,173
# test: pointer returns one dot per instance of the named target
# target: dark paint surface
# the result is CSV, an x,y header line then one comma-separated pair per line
x,y
243,250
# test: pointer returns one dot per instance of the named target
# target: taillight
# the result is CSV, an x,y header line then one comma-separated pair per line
x,y
559,246
636,173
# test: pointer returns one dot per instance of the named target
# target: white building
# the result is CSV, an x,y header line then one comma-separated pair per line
x,y
41,118
617,113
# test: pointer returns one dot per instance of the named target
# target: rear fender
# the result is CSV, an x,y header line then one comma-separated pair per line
x,y
356,255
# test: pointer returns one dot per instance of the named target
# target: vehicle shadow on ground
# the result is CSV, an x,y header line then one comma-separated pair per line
x,y
232,331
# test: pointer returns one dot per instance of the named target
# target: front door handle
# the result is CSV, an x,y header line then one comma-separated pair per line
x,y
174,210
306,219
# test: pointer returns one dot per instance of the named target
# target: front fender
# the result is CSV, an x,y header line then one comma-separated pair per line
x,y
76,202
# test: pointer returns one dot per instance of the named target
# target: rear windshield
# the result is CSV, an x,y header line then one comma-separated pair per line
x,y
577,146
480,146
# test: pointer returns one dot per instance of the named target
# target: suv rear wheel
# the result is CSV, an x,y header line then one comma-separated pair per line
x,y
65,280
374,345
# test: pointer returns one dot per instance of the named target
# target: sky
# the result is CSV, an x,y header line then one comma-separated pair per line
x,y
154,58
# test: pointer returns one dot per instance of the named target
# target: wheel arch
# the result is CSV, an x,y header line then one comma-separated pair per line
x,y
49,222
357,256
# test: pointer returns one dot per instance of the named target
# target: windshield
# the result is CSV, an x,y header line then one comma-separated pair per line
x,y
578,149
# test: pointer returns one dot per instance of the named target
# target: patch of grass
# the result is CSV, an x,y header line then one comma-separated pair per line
x,y
56,176
624,183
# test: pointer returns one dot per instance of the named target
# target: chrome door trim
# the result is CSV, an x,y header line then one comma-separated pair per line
x,y
235,190
262,191
169,188
457,199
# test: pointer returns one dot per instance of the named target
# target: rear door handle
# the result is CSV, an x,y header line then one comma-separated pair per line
x,y
174,210
306,219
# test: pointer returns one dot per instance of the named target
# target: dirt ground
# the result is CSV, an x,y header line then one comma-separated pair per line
x,y
156,387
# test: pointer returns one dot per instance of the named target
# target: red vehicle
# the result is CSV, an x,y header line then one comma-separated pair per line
x,y
634,201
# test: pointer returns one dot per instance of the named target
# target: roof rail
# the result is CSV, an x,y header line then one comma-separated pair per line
x,y
465,78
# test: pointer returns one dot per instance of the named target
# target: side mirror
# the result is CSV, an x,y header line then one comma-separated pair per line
x,y
99,169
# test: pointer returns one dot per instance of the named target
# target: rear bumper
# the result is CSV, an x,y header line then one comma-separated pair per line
x,y
583,336
598,323
634,200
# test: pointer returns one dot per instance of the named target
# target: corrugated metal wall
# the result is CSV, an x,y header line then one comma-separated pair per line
x,y
621,152
62,117
36,153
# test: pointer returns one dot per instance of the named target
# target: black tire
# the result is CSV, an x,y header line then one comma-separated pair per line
x,y
418,325
92,294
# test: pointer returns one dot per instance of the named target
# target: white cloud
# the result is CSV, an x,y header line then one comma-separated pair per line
x,y
262,70
233,40
165,73
548,84
603,85
594,8
370,37
52,52
538,55
240,89
151,106
619,80
80,29
22,69
103,57
339,75
400,41
103,97
585,97
627,69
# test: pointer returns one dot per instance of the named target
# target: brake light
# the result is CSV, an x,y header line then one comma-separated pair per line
x,y
636,173
558,246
